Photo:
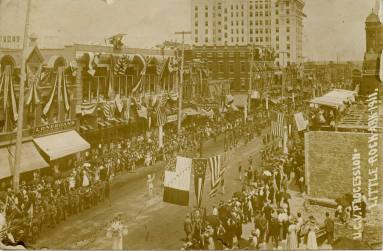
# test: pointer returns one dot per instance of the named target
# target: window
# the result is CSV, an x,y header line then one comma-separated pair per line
x,y
251,22
196,23
221,67
196,15
277,38
225,11
251,39
260,13
206,7
288,20
288,29
243,40
196,40
231,68
243,31
288,47
256,31
251,14
260,22
288,38
237,39
206,14
237,23
277,46
277,29
196,32
225,35
261,31
276,12
256,22
266,39
206,40
243,67
206,23
261,39
13,39
251,31
276,21
196,8
8,39
232,15
225,27
256,39
237,31
231,7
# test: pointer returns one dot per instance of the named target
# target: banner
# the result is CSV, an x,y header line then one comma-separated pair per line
x,y
177,184
199,167
300,121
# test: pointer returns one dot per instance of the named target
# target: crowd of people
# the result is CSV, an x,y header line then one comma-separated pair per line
x,y
264,203
48,198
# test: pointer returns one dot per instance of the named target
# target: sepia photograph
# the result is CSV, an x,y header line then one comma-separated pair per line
x,y
191,124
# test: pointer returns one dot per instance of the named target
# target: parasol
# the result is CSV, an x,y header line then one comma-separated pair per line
x,y
267,173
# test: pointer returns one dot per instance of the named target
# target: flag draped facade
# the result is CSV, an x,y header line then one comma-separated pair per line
x,y
216,171
199,168
177,184
61,87
140,83
33,81
9,98
277,123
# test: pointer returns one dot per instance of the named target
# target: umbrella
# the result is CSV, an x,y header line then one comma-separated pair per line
x,y
267,173
347,243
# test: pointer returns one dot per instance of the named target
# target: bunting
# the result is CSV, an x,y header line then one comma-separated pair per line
x,y
33,81
62,92
139,85
9,98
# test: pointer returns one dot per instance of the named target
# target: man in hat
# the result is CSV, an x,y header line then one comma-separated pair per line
x,y
188,227
329,224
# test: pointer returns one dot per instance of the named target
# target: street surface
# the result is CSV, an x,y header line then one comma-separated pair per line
x,y
152,224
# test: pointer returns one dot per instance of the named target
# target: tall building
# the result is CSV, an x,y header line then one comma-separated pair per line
x,y
374,46
268,23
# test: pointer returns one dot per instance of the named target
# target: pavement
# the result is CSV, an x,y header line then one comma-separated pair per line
x,y
152,223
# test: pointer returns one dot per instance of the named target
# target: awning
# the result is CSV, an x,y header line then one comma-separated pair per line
x,y
62,144
30,159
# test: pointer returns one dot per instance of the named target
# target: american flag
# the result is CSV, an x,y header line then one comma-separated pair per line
x,y
217,171
277,123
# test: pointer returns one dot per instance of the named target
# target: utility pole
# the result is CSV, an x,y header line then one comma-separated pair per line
x,y
180,84
251,77
19,135
283,73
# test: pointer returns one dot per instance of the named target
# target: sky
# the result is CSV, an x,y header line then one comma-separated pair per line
x,y
332,28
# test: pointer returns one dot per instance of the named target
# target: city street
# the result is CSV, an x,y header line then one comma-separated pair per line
x,y
147,219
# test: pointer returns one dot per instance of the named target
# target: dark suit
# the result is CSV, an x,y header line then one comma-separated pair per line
x,y
329,223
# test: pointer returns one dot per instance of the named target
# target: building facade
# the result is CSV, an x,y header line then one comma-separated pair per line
x,y
374,46
273,24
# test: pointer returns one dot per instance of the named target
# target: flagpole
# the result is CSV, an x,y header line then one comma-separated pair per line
x,y
19,135
180,87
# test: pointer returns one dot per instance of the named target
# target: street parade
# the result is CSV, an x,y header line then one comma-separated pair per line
x,y
223,132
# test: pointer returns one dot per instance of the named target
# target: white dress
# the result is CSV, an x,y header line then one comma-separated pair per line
x,y
312,239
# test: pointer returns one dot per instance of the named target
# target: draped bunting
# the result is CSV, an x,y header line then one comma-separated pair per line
x,y
33,80
139,85
121,66
61,86
6,86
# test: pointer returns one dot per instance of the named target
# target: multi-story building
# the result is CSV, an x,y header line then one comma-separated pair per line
x,y
374,46
273,24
